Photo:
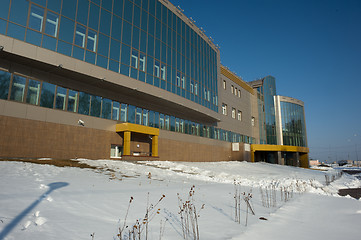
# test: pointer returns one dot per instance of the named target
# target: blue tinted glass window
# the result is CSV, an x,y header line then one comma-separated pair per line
x,y
54,5
158,28
96,1
144,20
4,10
131,114
124,112
72,100
90,57
125,54
151,25
47,95
128,11
32,95
118,7
2,26
68,9
78,53
49,43
135,42
84,103
152,7
92,40
51,24
60,98
18,88
80,33
124,69
141,76
66,30
149,79
145,4
143,41
16,31
105,22
107,5
64,48
36,18
94,16
19,11
133,73
127,33
114,49
106,108
33,37
150,66
114,66
4,84
102,61
136,18
151,119
115,111
150,50
40,2
82,13
103,46
116,27
95,106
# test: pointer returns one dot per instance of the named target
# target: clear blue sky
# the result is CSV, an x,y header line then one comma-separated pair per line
x,y
311,47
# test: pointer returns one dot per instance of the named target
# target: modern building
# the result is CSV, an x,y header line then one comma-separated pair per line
x,y
129,79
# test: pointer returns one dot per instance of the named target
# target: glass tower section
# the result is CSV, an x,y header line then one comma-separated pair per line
x,y
266,111
141,39
293,124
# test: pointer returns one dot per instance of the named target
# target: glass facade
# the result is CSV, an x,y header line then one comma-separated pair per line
x,y
266,111
25,89
141,39
293,124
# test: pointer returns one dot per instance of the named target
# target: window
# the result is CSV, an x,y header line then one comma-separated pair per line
x,y
95,106
33,92
192,87
47,95
4,84
80,35
115,151
138,116
36,18
60,98
115,111
92,40
196,89
145,117
224,84
72,100
183,85
224,109
253,121
235,91
178,79
124,113
233,113
134,59
106,108
51,26
156,69
162,72
18,88
232,89
239,116
84,103
142,62
239,93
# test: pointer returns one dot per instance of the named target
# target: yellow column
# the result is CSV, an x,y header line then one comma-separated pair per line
x,y
252,156
126,143
155,146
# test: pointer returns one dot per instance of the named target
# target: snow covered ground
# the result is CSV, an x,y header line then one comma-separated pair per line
x,y
47,202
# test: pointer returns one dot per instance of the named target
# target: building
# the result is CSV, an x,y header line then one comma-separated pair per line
x,y
123,79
